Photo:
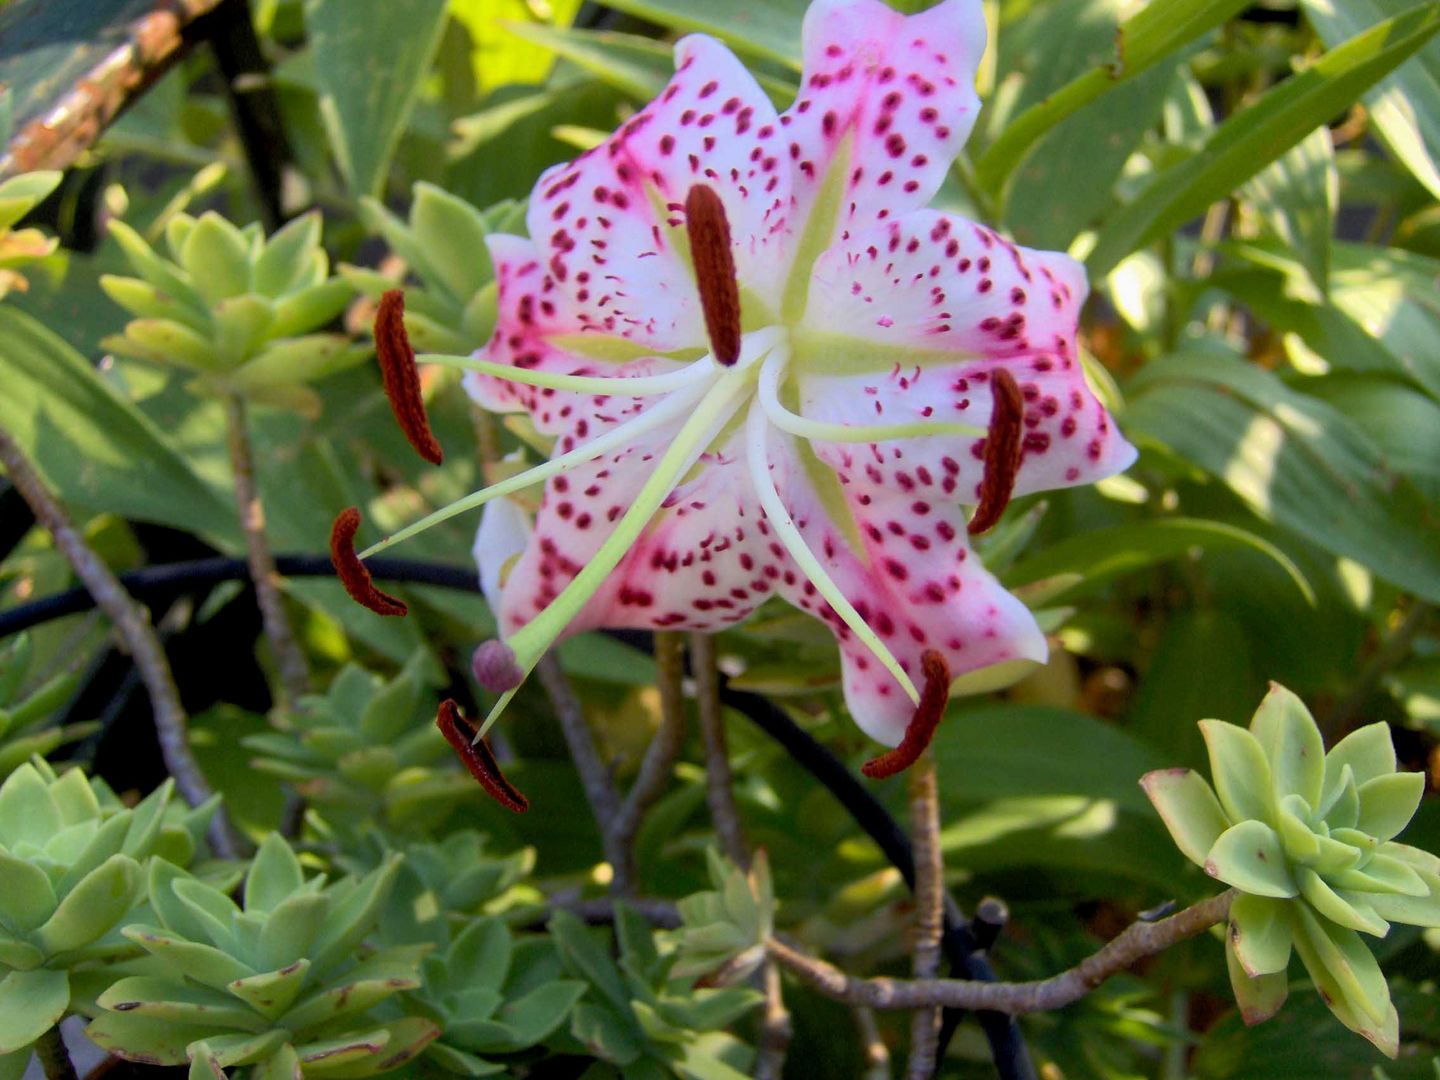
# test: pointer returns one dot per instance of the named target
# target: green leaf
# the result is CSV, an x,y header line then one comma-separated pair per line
x,y
401,1040
274,874
1291,741
1189,809
176,1000
203,963
1149,36
1387,803
291,928
217,258
270,993
240,1048
94,448
98,902
1405,107
1259,997
585,957
1260,934
31,1003
1342,968
370,61
1297,195
1294,460
1257,135
534,1016
27,899
146,1038
1239,771
372,981
285,258
1349,911
1249,857
1412,910
1368,751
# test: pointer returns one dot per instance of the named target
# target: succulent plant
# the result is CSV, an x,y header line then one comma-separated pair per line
x,y
235,309
71,865
283,984
18,247
443,244
639,1016
362,748
462,876
491,993
23,731
728,925
1306,837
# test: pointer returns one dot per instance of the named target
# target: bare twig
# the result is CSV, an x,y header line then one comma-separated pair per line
x,y
599,789
660,757
132,623
1138,941
775,1026
872,1047
600,911
719,792
54,1057
929,908
294,673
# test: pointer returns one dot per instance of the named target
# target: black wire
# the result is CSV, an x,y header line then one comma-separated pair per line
x,y
158,583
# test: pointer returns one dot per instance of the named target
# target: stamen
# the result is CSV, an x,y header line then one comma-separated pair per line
x,y
709,233
494,667
779,518
352,572
1002,452
478,757
402,380
617,438
922,725
618,385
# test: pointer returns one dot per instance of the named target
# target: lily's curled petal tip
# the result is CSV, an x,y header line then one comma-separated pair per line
x,y
495,668
922,727
1002,452
478,758
352,572
402,380
709,233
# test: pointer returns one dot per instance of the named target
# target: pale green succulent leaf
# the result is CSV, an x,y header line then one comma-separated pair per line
x,y
203,1066
216,256
174,915
1260,934
75,798
1259,997
1300,842
272,992
21,194
1382,874
311,307
1368,751
372,980
158,271
1387,803
353,915
165,341
405,1039
459,1062
239,1048
211,909
1411,910
27,813
1249,856
31,1003
283,1064
20,955
1341,808
147,820
452,233
1239,771
481,955
101,899
145,300
283,261
1347,911
203,963
1189,808
1414,857
27,898
181,1001
146,1038
531,1018
177,231
291,929
274,875
242,326
1341,966
1292,744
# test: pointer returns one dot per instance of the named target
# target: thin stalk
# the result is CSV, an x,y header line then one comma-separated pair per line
x,y
659,759
873,1050
289,659
929,911
54,1057
132,623
719,789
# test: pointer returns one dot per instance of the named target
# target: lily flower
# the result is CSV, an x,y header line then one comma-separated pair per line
x,y
768,369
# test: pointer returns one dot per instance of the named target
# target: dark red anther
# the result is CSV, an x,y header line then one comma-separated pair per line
x,y
402,378
1002,452
351,570
709,232
476,755
922,725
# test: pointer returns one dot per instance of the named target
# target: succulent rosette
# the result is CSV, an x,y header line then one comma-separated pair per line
x,y
768,369
1308,840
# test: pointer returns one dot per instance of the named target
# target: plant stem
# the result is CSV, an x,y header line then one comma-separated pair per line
x,y
54,1057
1137,941
872,1046
719,790
664,747
929,906
776,1028
132,623
294,673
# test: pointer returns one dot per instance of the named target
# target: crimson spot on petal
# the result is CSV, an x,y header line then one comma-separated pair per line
x,y
351,570
402,380
922,724
709,233
478,758
1002,452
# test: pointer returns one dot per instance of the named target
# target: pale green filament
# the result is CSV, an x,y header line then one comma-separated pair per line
x,y
757,452
768,393
709,416
614,385
617,438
